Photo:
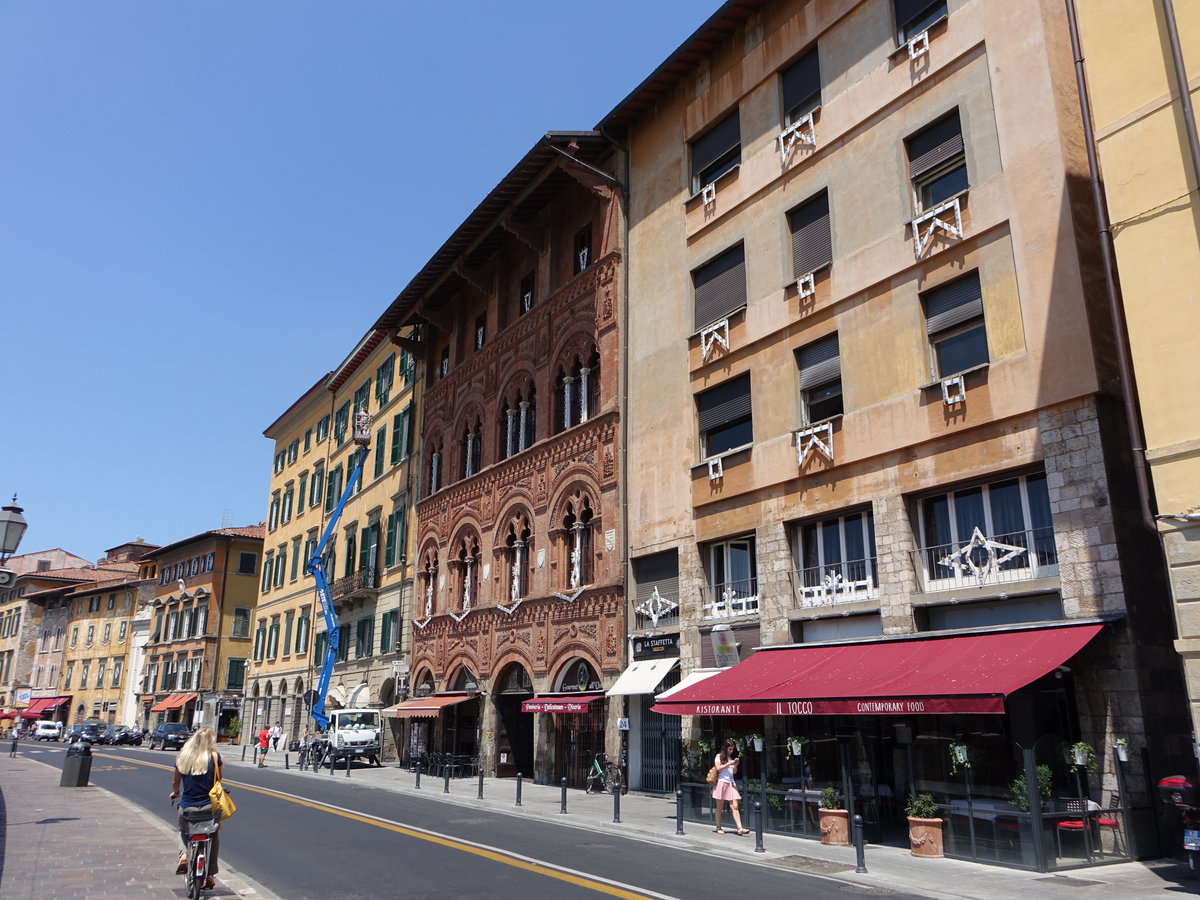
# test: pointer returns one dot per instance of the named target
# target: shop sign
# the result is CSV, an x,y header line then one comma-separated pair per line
x,y
656,646
724,647
865,706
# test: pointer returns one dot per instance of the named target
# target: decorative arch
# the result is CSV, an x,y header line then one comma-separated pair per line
x,y
507,661
463,561
578,673
283,687
573,532
424,682
461,677
298,687
576,382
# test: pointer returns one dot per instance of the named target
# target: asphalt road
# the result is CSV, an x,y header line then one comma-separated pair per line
x,y
347,840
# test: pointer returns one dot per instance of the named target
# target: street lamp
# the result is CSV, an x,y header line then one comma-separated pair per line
x,y
12,529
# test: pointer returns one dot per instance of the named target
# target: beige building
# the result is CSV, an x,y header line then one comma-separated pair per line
x,y
367,560
873,421
1136,55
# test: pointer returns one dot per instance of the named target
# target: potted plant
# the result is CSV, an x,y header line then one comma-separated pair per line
x,y
924,825
1122,747
834,819
796,745
234,729
1082,756
1018,788
757,740
960,757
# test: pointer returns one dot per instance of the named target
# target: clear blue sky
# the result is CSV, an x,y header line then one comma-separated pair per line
x,y
204,206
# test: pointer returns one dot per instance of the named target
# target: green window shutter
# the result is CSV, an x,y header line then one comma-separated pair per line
x,y
380,441
389,547
402,532
364,549
397,437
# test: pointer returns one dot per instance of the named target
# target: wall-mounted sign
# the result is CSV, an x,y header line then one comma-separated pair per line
x,y
622,724
724,647
656,646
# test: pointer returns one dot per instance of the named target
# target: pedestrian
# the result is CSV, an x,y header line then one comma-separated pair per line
x,y
276,734
725,791
15,734
264,744
196,767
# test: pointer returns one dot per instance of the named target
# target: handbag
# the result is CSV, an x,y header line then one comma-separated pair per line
x,y
219,797
711,777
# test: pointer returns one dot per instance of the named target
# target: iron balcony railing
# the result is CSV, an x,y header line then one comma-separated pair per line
x,y
983,560
365,579
842,582
732,598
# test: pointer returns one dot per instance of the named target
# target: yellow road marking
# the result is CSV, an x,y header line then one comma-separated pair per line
x,y
502,857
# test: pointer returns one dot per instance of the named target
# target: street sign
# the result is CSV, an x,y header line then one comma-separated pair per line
x,y
7,576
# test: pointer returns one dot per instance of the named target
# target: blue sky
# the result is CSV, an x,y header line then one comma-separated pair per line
x,y
203,206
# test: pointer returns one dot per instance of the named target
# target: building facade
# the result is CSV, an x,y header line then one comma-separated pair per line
x,y
368,560
867,261
518,625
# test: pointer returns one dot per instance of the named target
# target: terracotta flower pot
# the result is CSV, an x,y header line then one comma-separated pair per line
x,y
925,837
835,828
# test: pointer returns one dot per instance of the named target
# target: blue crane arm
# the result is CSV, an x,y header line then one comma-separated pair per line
x,y
316,567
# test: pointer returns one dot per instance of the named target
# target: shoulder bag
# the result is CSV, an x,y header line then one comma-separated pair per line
x,y
219,797
711,778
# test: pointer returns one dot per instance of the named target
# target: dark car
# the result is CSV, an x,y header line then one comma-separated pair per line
x,y
169,734
120,734
87,731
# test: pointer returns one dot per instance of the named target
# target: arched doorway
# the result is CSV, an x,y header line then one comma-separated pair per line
x,y
578,736
514,729
460,723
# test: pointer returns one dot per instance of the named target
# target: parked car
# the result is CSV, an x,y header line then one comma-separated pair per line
x,y
46,730
86,731
169,734
120,734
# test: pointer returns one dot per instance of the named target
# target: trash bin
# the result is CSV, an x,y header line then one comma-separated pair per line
x,y
77,767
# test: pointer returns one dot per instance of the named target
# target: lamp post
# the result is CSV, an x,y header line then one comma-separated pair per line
x,y
473,691
12,529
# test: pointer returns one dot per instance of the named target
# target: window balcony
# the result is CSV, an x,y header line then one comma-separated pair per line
x,y
828,585
357,583
984,560
732,598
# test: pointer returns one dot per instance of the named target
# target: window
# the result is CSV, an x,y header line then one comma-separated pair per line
x,y
70,674
260,639
380,443
408,365
368,551
401,435
286,511
480,330
235,675
289,624
472,445
435,470
101,666
954,324
273,516
835,559
657,573
241,621
937,162
310,548
515,574
733,575
107,632
122,632
915,16
1014,513
302,494
333,490
343,650
578,391
389,635
295,573
302,629
396,537
118,666
94,602
716,152
518,419
577,533
364,639
268,571
280,565
280,458
720,286
582,246
341,421
293,451
444,363
322,429
321,645
247,563
820,380
84,670
362,397
801,87
526,291
91,633
307,439
273,638
318,484
812,240
724,414
384,376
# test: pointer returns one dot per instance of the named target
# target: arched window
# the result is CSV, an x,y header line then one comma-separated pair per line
x,y
577,543
429,572
518,423
468,574
435,468
578,391
472,445
517,555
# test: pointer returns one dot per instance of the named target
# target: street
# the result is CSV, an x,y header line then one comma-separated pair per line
x,y
323,836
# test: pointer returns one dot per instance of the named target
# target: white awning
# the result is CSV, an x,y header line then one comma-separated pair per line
x,y
688,680
643,676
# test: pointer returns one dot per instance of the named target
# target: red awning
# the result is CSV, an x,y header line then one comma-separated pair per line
x,y
425,708
955,674
45,704
162,705
180,700
560,703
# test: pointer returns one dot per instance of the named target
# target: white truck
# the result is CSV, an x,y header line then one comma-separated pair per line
x,y
354,733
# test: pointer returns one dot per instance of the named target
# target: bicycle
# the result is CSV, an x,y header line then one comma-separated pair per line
x,y
317,751
201,828
605,776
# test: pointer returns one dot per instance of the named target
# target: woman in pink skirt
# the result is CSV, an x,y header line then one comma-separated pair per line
x,y
725,790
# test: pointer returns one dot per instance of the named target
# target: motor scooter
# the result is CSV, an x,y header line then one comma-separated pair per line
x,y
1179,792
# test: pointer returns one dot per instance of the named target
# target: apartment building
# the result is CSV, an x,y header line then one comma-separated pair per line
x,y
883,498
368,561
518,627
204,592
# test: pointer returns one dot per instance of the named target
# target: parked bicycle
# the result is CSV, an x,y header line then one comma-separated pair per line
x,y
317,756
605,776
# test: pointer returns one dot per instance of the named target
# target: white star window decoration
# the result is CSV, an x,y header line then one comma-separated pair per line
x,y
656,606
996,554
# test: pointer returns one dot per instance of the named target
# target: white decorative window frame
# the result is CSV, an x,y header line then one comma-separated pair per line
x,y
954,390
656,607
716,469
421,623
710,336
806,285
802,131
918,45
925,226
458,617
708,195
815,437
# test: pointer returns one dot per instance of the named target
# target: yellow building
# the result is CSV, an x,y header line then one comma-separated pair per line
x,y
368,560
1137,54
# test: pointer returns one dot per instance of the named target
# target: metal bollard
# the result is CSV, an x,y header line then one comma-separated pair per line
x,y
446,780
518,803
347,765
758,827
563,808
418,785
679,812
286,762
481,782
617,805
860,859
243,752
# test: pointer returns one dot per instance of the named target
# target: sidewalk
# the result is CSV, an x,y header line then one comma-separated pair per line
x,y
73,843
652,818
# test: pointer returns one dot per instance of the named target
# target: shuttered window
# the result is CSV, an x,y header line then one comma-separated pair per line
x,y
937,161
955,325
720,286
725,416
914,16
812,242
717,151
820,379
659,570
801,87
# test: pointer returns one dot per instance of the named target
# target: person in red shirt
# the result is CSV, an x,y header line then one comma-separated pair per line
x,y
264,742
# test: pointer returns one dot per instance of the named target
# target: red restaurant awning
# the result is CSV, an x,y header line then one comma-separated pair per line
x,y
425,708
180,700
162,705
955,674
560,703
45,704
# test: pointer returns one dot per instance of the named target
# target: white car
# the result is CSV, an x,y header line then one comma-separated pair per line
x,y
45,730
